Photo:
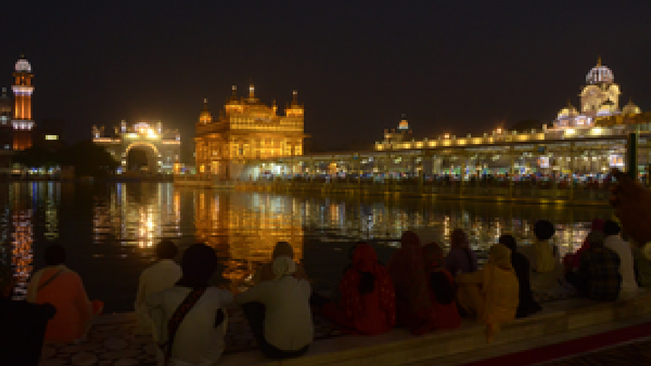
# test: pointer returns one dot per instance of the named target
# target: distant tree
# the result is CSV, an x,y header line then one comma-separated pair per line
x,y
526,125
37,157
89,159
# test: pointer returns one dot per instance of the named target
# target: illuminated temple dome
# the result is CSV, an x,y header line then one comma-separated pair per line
x,y
600,74
631,108
568,112
22,65
599,100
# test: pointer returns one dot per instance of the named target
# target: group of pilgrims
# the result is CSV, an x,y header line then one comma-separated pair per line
x,y
420,289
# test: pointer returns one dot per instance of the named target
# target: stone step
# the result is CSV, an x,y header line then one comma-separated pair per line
x,y
400,347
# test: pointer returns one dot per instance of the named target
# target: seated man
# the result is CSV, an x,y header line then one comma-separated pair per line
x,y
189,320
265,271
598,274
278,312
63,288
158,277
22,325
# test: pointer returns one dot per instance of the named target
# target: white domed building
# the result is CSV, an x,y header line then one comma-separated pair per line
x,y
599,99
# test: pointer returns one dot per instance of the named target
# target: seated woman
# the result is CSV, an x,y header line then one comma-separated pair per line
x,y
415,302
188,319
490,294
278,312
461,259
527,304
444,312
368,302
58,285
265,271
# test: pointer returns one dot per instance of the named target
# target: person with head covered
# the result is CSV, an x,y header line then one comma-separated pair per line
x,y
278,311
491,295
368,303
265,272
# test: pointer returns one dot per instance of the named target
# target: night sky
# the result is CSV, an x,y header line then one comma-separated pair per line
x,y
451,66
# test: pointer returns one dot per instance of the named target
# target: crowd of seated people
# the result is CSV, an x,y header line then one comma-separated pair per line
x,y
420,289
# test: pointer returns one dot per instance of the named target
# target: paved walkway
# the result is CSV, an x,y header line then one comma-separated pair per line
x,y
633,353
115,340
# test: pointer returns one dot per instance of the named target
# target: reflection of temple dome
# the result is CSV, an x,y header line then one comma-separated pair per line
x,y
631,108
22,65
600,74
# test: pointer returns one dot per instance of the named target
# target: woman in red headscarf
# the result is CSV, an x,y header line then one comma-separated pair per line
x,y
368,302
418,305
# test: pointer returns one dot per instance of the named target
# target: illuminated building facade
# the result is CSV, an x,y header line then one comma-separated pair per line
x,y
162,148
587,142
22,121
599,103
245,130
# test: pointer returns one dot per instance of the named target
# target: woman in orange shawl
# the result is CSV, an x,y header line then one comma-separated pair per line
x,y
63,288
491,294
367,296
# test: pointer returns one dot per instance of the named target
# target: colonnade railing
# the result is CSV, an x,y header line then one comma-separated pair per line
x,y
549,191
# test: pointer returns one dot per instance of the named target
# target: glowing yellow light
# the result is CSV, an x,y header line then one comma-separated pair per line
x,y
596,131
499,130
51,137
447,136
570,131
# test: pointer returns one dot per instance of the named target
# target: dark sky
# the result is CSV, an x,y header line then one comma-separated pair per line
x,y
451,66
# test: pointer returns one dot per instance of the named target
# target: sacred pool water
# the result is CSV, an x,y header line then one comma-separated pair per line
x,y
109,229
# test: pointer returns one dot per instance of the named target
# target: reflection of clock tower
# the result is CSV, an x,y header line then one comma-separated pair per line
x,y
22,122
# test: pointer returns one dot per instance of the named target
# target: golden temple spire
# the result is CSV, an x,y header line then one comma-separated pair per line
x,y
599,60
295,97
251,90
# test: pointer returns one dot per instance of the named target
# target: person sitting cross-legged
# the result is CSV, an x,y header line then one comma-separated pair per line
x,y
158,277
189,320
58,285
278,312
598,273
490,294
367,302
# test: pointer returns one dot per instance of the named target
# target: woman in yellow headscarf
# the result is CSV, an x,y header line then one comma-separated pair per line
x,y
490,294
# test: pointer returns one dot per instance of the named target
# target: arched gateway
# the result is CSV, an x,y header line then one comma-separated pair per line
x,y
141,147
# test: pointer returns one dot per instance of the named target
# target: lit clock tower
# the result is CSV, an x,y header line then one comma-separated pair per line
x,y
22,122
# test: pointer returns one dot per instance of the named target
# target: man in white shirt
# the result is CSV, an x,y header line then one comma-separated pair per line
x,y
279,313
623,249
158,277
199,337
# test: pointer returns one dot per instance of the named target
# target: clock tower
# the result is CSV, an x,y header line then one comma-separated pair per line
x,y
22,121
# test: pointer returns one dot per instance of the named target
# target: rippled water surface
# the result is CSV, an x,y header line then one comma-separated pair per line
x,y
109,230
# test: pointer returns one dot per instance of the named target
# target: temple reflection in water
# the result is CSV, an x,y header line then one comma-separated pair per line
x,y
110,229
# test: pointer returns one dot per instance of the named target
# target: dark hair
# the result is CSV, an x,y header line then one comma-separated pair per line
x,y
440,285
198,265
366,283
543,229
611,228
55,255
351,250
508,241
166,249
